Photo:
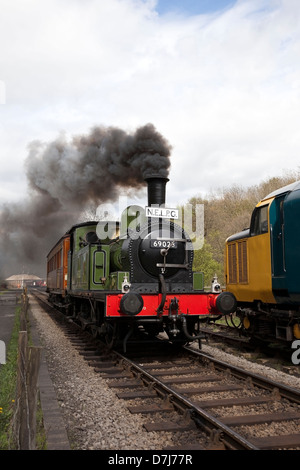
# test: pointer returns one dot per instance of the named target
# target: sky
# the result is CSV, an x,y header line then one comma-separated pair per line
x,y
220,80
191,7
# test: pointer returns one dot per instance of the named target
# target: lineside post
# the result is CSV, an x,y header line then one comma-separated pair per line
x,y
27,389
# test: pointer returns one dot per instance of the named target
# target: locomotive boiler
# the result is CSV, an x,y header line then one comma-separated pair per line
x,y
131,280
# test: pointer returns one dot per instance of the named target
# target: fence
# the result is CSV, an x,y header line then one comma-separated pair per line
x,y
26,390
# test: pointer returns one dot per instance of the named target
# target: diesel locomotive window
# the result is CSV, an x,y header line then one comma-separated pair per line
x,y
259,223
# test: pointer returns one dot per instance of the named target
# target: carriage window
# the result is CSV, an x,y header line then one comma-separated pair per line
x,y
259,223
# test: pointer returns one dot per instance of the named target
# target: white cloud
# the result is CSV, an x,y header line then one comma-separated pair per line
x,y
222,88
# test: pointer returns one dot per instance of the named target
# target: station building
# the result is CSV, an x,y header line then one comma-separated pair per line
x,y
19,281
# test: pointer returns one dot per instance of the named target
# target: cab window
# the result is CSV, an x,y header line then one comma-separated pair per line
x,y
259,223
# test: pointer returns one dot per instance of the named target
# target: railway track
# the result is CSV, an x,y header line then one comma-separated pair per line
x,y
238,344
217,405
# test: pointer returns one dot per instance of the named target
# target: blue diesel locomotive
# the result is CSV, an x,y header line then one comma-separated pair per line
x,y
262,268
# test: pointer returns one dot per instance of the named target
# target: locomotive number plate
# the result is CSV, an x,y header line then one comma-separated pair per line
x,y
163,244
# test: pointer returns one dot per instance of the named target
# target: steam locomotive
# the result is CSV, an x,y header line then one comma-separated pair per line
x,y
262,268
132,280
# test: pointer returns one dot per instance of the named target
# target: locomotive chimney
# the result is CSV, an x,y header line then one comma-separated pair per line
x,y
156,190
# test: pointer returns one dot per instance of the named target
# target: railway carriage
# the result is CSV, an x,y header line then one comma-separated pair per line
x,y
57,266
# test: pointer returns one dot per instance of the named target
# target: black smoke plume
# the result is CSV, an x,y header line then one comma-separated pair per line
x,y
64,178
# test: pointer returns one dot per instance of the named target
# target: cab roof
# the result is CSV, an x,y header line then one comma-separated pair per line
x,y
286,189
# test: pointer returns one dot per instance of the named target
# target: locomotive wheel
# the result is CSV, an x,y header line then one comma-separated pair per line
x,y
111,335
94,330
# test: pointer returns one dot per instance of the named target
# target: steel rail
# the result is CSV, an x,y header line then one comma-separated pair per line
x,y
218,431
231,439
284,390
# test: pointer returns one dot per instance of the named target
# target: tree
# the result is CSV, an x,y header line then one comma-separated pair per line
x,y
204,261
226,212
